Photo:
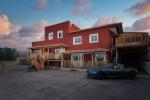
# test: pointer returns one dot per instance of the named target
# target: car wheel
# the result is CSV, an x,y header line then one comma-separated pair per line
x,y
132,75
100,75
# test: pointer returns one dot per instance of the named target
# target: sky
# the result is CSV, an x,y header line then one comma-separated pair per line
x,y
23,21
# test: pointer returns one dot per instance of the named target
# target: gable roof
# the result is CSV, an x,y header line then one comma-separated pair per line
x,y
107,25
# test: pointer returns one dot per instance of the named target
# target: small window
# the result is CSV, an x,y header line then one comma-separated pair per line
x,y
50,36
93,38
76,57
60,34
77,40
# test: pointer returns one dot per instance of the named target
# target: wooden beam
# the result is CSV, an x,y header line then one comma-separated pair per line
x,y
92,59
116,56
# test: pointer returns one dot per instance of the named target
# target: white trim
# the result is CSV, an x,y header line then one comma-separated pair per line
x,y
61,50
74,38
58,32
49,36
90,37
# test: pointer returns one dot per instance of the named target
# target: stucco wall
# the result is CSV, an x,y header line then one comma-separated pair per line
x,y
7,66
146,66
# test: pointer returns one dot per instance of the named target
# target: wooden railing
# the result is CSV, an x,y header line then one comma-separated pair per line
x,y
84,65
51,56
55,56
132,40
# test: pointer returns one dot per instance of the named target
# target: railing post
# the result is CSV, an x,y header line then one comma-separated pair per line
x,y
116,56
92,59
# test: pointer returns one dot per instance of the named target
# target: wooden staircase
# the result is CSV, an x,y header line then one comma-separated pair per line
x,y
38,61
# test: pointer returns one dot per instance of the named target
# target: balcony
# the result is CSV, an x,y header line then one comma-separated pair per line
x,y
132,40
47,56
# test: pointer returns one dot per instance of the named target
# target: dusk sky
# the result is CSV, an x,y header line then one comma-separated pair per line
x,y
23,21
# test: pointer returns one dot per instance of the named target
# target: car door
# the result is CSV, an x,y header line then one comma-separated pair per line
x,y
114,72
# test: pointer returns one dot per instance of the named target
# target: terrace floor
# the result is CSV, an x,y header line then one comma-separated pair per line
x,y
70,85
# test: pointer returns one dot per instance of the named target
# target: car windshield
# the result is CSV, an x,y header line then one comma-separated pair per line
x,y
118,66
109,65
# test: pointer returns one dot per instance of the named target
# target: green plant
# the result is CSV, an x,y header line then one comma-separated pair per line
x,y
7,54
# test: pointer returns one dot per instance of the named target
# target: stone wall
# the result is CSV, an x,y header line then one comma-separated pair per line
x,y
7,66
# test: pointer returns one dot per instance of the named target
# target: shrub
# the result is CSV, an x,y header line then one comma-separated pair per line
x,y
8,54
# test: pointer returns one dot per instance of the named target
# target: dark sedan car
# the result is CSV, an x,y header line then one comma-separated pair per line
x,y
112,71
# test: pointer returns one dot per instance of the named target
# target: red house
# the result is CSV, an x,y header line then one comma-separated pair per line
x,y
66,45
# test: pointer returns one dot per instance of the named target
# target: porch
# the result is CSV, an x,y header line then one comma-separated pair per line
x,y
45,56
84,59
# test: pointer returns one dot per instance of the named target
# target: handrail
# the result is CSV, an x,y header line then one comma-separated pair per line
x,y
53,56
132,40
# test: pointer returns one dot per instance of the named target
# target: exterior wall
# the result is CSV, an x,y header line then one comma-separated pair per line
x,y
146,66
104,39
146,63
73,28
54,28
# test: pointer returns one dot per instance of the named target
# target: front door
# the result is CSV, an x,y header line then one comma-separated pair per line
x,y
77,60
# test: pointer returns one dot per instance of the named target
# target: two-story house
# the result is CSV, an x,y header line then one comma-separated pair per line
x,y
67,46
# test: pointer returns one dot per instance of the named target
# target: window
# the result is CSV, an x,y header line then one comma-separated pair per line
x,y
100,57
93,38
50,36
76,57
60,34
77,40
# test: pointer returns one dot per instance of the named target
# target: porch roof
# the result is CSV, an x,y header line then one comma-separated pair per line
x,y
50,46
87,50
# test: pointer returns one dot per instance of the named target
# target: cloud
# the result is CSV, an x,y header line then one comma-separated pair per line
x,y
20,36
33,30
140,8
41,4
106,20
6,27
81,7
142,24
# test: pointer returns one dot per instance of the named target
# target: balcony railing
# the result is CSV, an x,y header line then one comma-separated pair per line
x,y
132,40
54,56
48,56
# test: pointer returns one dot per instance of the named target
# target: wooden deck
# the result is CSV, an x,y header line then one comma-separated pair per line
x,y
132,40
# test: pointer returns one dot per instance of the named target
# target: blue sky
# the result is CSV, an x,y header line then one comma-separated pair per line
x,y
20,18
23,12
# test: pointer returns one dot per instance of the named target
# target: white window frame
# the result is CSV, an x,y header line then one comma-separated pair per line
x,y
60,50
90,38
58,32
49,36
74,38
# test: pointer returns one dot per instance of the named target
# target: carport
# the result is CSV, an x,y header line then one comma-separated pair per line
x,y
131,57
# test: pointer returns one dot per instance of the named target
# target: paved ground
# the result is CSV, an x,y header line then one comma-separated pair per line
x,y
69,85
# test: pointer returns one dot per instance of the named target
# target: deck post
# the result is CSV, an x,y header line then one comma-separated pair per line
x,y
62,60
116,56
92,60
